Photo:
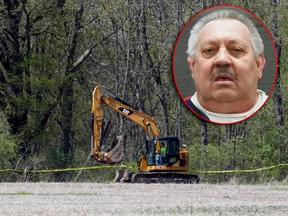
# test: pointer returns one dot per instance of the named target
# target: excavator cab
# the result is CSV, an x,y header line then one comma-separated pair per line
x,y
166,147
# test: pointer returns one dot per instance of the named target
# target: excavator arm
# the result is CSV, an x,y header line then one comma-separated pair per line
x,y
101,97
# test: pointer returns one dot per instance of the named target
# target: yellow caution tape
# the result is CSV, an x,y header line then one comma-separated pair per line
x,y
239,171
125,166
61,170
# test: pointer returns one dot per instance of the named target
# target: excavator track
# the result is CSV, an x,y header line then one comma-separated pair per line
x,y
157,177
164,177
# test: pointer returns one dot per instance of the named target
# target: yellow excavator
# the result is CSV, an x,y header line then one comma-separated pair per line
x,y
157,164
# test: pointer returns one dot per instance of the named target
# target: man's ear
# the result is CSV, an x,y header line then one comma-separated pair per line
x,y
260,61
191,61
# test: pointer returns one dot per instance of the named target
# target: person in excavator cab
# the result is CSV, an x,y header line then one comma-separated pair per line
x,y
160,156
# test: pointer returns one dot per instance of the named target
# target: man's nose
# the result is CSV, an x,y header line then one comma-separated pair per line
x,y
222,57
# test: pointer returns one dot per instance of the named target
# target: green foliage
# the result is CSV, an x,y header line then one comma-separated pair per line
x,y
241,152
8,144
7,150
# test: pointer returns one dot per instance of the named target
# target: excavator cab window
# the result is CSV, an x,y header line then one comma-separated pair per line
x,y
171,155
151,148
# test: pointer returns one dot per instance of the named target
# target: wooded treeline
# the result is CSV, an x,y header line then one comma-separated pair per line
x,y
53,53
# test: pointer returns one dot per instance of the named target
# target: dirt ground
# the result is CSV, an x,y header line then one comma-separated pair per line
x,y
142,199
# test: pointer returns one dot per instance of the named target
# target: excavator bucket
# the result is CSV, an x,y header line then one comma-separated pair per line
x,y
116,153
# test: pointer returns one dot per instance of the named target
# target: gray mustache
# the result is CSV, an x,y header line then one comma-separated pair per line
x,y
223,69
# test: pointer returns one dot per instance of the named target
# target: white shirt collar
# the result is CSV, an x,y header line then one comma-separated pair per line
x,y
230,118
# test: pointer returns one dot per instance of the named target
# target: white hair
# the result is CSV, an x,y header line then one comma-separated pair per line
x,y
256,41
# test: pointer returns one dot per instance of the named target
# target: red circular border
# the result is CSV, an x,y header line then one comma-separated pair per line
x,y
271,39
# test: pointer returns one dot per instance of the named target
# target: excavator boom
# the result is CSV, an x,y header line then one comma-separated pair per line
x,y
99,99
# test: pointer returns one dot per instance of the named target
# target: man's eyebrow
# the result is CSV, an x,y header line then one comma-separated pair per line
x,y
215,42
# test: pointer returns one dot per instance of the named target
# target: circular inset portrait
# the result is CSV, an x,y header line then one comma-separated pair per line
x,y
224,64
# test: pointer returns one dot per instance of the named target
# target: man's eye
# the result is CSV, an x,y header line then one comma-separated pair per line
x,y
238,51
208,52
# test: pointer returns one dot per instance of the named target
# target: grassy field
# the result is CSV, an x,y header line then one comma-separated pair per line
x,y
142,199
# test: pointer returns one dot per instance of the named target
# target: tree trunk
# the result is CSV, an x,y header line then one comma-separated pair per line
x,y
277,90
67,100
12,77
156,73
204,132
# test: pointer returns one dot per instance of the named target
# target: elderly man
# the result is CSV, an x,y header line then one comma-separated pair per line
x,y
225,56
